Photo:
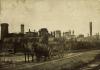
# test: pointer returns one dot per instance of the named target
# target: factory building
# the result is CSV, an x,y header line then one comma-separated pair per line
x,y
11,41
66,34
31,34
43,34
57,34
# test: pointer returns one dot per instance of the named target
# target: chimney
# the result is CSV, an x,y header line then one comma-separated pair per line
x,y
90,28
4,30
22,28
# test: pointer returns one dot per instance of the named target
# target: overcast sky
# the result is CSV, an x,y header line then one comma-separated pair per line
x,y
61,15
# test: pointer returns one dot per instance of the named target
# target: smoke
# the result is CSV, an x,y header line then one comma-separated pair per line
x,y
23,1
53,14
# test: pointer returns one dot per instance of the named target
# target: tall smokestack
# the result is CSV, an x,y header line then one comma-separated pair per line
x,y
4,30
22,28
90,28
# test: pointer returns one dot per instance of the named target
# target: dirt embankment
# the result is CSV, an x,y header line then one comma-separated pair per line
x,y
69,63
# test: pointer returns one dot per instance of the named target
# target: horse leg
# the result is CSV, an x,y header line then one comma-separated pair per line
x,y
32,57
25,57
37,58
45,58
28,57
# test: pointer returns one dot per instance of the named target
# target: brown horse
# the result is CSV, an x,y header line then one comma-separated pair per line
x,y
28,50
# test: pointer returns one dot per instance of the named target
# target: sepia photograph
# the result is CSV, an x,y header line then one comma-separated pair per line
x,y
49,34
